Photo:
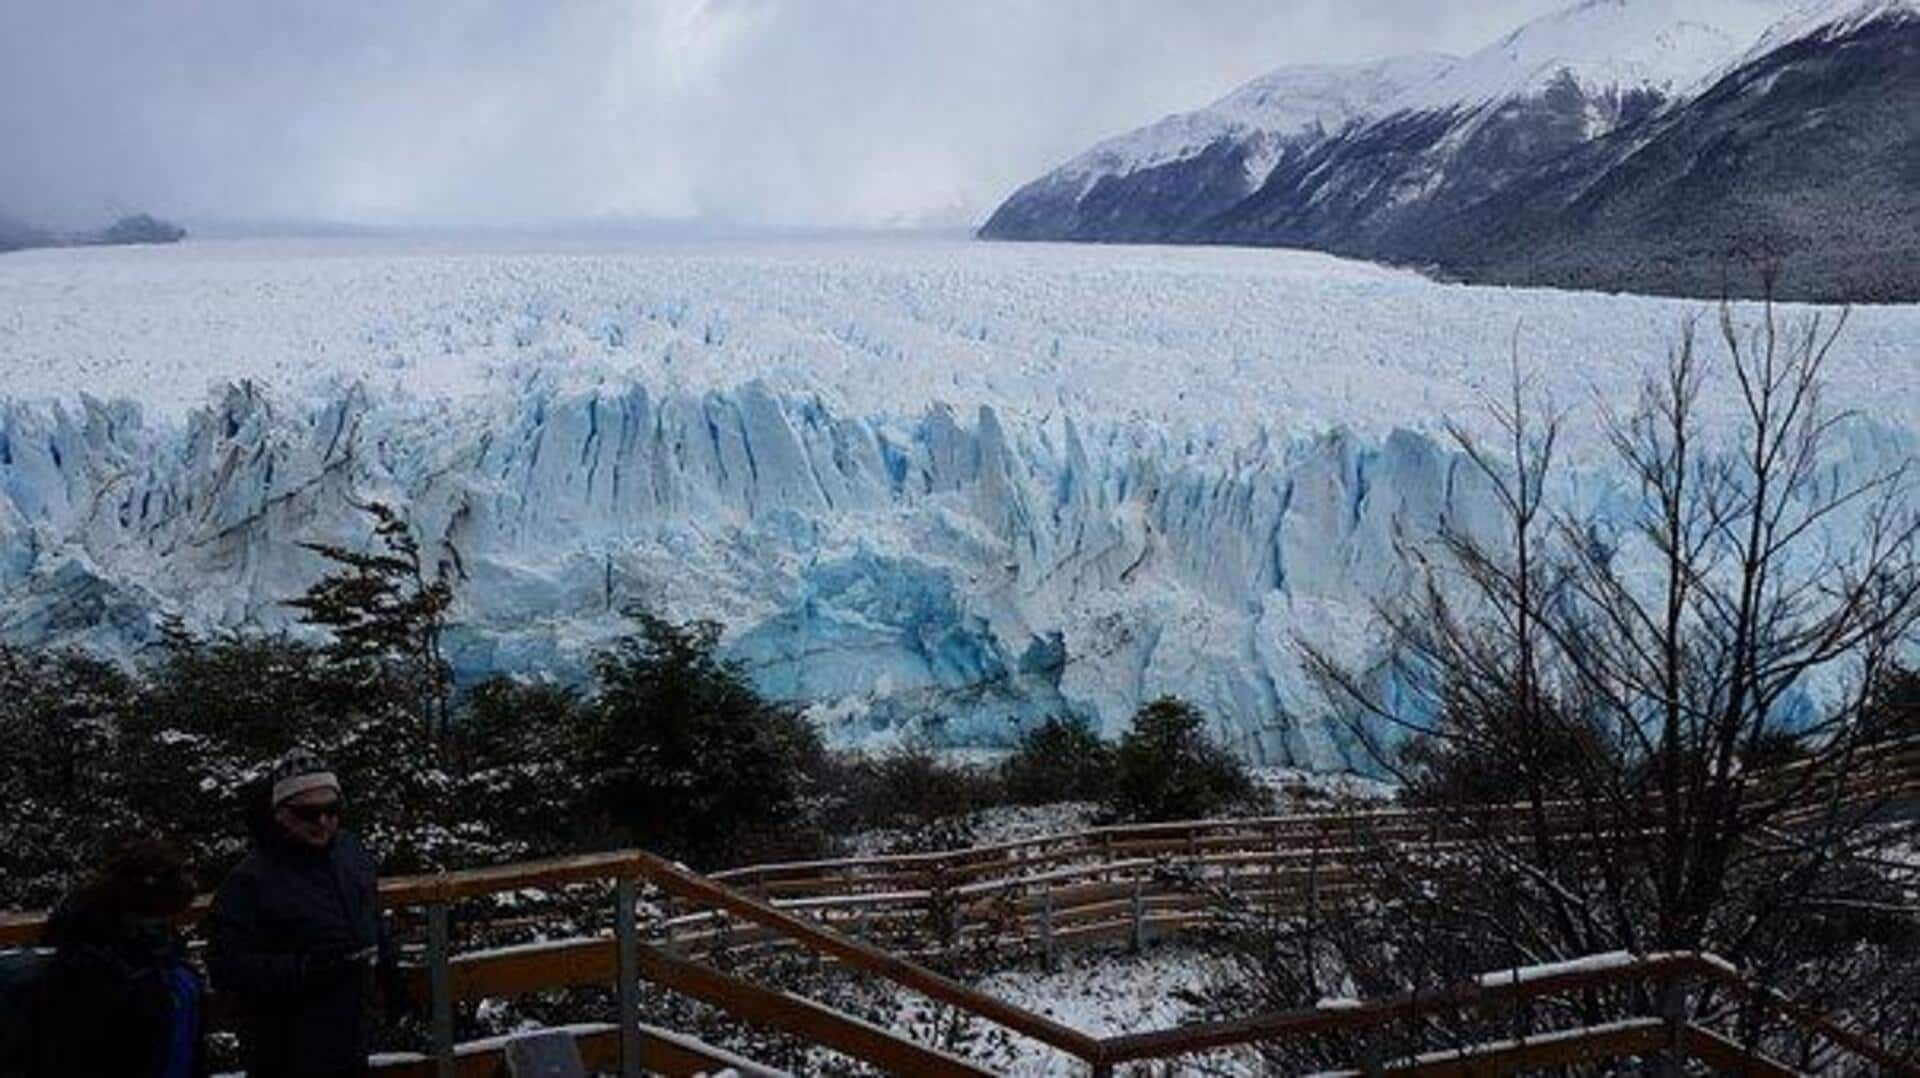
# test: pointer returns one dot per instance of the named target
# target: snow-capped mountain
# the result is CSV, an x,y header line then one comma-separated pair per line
x,y
1422,175
1193,165
1608,50
1802,153
1815,20
1293,103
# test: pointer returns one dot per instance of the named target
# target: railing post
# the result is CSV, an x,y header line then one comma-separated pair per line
x,y
1313,883
1370,1064
944,911
440,980
1673,1008
959,925
626,939
1139,915
1046,926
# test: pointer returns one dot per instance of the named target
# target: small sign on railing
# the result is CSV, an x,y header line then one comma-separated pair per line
x,y
547,1053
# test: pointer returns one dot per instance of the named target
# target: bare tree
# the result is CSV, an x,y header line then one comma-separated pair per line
x,y
1667,722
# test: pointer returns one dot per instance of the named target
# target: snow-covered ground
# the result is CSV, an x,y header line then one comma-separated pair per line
x,y
1103,993
916,478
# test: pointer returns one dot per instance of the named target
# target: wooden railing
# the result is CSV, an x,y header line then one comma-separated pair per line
x,y
1881,773
1129,883
1102,884
624,960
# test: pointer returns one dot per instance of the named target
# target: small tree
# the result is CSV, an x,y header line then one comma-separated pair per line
x,y
518,745
60,720
680,754
212,711
1892,711
921,801
385,611
1166,768
1061,759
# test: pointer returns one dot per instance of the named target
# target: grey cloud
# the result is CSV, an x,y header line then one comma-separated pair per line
x,y
815,112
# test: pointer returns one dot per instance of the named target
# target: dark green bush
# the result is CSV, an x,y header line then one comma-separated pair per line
x,y
516,744
909,788
1166,768
1061,759
60,717
1893,709
681,755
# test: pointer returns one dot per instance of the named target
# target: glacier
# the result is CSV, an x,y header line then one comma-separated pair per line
x,y
928,488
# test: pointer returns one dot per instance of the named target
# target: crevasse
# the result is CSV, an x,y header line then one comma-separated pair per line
x,y
952,573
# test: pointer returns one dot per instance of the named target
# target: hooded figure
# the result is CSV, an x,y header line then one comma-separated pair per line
x,y
295,933
119,996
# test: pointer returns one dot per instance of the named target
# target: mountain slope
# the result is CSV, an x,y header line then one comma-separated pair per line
x,y
1328,156
1634,144
1808,155
1146,184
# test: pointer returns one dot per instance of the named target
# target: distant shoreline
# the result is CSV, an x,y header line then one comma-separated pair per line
x,y
138,228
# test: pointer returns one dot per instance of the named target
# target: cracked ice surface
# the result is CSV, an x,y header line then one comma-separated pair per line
x,y
912,477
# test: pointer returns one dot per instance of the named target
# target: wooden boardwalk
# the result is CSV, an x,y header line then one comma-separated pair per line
x,y
1118,884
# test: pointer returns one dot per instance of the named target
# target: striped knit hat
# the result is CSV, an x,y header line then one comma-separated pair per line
x,y
299,771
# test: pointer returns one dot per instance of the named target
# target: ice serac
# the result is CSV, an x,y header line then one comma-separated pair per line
x,y
956,574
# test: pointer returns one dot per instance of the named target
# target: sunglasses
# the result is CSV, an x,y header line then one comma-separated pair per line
x,y
314,813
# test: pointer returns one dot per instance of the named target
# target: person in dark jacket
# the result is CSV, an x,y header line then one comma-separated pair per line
x,y
295,932
119,996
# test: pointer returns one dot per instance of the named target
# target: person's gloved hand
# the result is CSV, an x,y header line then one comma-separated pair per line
x,y
398,1002
333,964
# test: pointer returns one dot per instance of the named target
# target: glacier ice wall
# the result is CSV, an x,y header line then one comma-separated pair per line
x,y
1129,491
959,573
955,571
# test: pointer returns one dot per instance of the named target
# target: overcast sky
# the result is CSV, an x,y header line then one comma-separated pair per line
x,y
789,112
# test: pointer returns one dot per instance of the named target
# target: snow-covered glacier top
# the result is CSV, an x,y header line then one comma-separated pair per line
x,y
1221,343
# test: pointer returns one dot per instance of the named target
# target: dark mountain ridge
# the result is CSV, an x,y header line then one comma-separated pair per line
x,y
16,235
1806,156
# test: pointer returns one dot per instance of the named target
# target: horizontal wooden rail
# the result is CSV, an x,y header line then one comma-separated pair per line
x,y
856,954
1640,1036
662,1052
420,890
1727,1057
1359,1015
804,1018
